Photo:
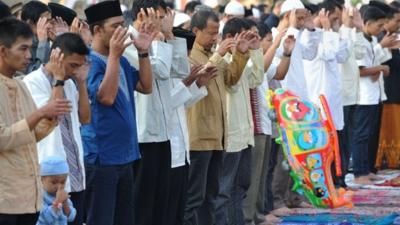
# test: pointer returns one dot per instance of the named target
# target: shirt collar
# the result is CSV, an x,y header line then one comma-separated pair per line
x,y
9,82
200,48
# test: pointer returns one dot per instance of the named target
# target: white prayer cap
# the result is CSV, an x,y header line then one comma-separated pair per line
x,y
211,3
234,8
181,18
289,5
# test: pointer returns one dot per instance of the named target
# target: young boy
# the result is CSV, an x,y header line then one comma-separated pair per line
x,y
57,209
370,94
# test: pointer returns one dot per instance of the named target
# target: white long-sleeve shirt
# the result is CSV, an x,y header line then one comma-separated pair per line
x,y
349,69
306,47
168,60
240,119
323,77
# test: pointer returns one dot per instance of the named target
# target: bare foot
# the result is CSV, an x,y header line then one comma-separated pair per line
x,y
363,180
271,219
305,205
284,211
374,177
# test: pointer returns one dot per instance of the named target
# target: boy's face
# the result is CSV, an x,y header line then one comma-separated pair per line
x,y
334,18
52,183
393,25
301,15
374,28
266,42
18,55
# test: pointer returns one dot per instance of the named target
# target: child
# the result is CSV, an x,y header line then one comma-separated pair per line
x,y
57,209
370,93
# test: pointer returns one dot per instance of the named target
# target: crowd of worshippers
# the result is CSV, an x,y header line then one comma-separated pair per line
x,y
160,117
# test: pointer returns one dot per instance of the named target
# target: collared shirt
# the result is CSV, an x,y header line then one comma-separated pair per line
x,y
111,136
20,184
323,77
306,47
349,69
372,92
207,119
49,217
240,118
168,60
40,88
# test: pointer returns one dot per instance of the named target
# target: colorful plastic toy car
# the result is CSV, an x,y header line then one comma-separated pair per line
x,y
310,145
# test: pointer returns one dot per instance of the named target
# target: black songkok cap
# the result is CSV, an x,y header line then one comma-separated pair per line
x,y
187,34
102,11
67,14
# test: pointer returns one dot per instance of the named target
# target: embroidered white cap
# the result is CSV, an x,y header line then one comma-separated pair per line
x,y
234,8
289,5
181,18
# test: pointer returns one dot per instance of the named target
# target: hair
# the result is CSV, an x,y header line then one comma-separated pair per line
x,y
329,6
4,10
313,8
395,4
144,4
201,17
373,14
234,26
11,29
249,23
390,11
263,29
32,10
190,7
70,43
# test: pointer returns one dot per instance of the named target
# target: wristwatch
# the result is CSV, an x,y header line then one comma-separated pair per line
x,y
143,55
57,83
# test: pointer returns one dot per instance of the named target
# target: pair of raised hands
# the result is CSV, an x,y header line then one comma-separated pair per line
x,y
241,42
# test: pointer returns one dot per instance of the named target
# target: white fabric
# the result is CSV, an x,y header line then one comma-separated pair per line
x,y
306,47
289,5
234,8
181,18
262,90
178,124
168,60
372,92
323,77
349,69
239,115
40,88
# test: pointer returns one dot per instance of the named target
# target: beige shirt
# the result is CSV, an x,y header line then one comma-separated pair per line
x,y
207,119
20,184
240,118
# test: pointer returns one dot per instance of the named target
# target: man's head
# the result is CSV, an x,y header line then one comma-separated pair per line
x,y
266,36
158,5
15,44
103,19
205,25
74,50
374,20
190,7
392,24
4,10
32,11
335,12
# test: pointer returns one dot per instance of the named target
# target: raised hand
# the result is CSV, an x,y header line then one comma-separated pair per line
x,y
117,46
225,46
82,73
55,108
243,41
75,26
323,16
309,23
205,75
255,42
347,19
150,16
61,195
147,33
293,19
42,28
389,41
56,65
194,74
60,26
288,45
357,19
81,28
168,23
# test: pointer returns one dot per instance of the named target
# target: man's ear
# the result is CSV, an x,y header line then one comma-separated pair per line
x,y
3,51
195,30
96,29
